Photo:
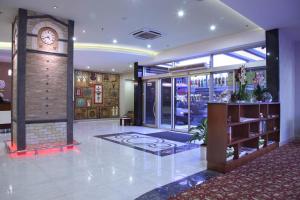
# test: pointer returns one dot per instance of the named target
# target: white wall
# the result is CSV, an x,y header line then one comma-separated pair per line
x,y
297,91
126,93
287,86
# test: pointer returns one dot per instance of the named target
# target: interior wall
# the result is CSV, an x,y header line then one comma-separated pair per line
x,y
126,93
297,90
286,86
6,91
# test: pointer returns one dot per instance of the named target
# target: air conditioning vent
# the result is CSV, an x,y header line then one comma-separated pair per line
x,y
146,34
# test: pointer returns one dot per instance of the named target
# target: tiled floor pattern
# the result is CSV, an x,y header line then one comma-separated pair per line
x,y
100,169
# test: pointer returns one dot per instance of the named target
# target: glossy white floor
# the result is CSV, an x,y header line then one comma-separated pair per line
x,y
100,170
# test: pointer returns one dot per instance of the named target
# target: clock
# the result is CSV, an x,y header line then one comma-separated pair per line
x,y
47,39
48,36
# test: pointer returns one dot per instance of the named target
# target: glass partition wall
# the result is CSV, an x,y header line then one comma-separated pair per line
x,y
179,102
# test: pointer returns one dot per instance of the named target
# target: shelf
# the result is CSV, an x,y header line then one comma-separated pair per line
x,y
244,121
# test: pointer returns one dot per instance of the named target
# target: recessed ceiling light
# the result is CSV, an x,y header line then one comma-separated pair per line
x,y
54,7
212,27
88,67
74,38
115,41
83,31
130,66
148,46
113,69
180,13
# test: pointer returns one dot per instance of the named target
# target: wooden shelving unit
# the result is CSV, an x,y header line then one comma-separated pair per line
x,y
241,126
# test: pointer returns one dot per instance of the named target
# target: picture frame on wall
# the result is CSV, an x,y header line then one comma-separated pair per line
x,y
80,102
78,92
87,92
98,94
89,102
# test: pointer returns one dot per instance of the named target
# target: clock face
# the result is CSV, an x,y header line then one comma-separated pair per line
x,y
48,36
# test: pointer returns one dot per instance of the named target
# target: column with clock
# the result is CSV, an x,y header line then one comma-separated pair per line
x,y
42,57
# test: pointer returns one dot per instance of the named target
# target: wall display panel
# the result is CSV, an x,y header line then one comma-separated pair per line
x,y
96,95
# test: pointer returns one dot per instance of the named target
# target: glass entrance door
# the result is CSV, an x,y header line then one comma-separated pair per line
x,y
181,104
199,96
150,104
166,103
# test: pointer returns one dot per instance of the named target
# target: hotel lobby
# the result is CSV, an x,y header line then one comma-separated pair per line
x,y
149,100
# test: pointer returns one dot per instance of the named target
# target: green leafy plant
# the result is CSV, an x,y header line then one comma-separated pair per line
x,y
199,132
229,152
259,92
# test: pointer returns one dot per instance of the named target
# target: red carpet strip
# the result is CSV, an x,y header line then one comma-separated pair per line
x,y
274,176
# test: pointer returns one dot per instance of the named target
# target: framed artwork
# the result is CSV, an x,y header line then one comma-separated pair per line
x,y
87,92
105,77
78,92
92,113
80,102
98,94
89,102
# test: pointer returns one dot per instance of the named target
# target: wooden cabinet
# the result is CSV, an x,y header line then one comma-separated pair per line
x,y
241,127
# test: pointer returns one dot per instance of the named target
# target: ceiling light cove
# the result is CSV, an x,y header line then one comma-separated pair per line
x,y
180,13
115,48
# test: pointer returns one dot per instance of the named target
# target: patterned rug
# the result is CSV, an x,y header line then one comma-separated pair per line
x,y
147,143
274,176
169,135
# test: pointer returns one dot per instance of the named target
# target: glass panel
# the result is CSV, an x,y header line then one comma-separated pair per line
x,y
199,96
194,61
166,95
221,82
150,103
255,77
248,55
181,104
225,60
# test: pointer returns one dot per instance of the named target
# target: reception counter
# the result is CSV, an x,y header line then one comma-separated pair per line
x,y
5,115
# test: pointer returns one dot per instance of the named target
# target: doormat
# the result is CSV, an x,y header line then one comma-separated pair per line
x,y
147,143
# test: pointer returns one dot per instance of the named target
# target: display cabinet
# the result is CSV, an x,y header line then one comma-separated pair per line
x,y
251,129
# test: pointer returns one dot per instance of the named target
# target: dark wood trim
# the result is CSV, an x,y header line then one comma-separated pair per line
x,y
47,53
5,126
48,16
138,95
35,35
45,121
22,30
14,54
70,108
272,61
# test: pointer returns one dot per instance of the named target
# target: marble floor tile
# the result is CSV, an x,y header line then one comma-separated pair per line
x,y
99,169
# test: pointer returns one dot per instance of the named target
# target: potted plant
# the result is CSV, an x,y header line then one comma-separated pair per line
x,y
259,92
229,153
241,79
261,142
199,132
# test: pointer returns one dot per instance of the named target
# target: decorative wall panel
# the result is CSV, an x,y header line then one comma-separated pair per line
x,y
96,95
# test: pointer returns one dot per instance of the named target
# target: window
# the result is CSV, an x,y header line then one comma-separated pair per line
x,y
222,82
239,57
225,60
194,61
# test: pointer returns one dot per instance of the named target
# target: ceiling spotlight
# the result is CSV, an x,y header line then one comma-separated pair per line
x,y
88,67
149,46
180,13
130,66
113,69
83,31
54,7
74,38
212,27
115,41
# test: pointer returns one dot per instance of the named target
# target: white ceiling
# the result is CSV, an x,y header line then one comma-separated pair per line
x,y
270,14
119,18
